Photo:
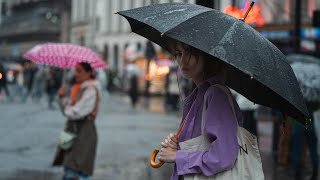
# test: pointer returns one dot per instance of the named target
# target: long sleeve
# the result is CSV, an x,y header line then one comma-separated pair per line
x,y
81,108
221,128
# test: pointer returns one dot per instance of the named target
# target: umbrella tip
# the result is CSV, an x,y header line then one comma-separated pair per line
x,y
247,12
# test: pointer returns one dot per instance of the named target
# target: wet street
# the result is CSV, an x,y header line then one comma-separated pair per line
x,y
29,134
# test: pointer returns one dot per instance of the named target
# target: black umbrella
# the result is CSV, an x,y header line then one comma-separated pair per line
x,y
259,71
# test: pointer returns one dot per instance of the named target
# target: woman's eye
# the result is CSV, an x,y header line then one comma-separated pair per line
x,y
177,55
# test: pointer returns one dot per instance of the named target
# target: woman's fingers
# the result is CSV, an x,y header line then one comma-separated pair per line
x,y
167,144
171,143
167,155
164,145
173,138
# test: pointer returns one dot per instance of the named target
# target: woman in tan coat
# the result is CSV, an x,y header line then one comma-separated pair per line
x,y
80,110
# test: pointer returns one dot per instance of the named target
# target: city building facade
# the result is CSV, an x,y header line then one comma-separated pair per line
x,y
95,24
26,23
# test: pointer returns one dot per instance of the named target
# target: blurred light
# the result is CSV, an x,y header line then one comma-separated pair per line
x,y
153,68
163,70
254,16
10,73
0,76
10,76
148,77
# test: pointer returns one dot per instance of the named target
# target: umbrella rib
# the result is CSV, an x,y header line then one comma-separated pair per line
x,y
161,33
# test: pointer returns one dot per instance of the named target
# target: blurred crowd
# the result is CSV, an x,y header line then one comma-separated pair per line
x,y
21,83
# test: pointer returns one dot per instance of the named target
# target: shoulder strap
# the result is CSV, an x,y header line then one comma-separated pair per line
x,y
94,112
204,108
96,105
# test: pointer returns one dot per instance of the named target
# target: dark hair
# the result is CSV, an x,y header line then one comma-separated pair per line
x,y
212,64
87,67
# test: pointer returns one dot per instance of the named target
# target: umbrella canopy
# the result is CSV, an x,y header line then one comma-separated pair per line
x,y
307,70
64,55
259,71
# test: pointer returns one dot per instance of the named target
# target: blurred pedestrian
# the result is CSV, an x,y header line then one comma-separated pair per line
x,y
173,91
80,110
38,85
277,119
133,90
220,122
28,77
18,88
53,82
300,135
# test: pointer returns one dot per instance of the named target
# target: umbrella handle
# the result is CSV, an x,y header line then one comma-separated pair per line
x,y
153,162
153,156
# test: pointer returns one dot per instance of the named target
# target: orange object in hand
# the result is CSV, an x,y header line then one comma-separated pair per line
x,y
153,156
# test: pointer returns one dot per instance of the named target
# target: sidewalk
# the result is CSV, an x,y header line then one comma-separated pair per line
x,y
29,132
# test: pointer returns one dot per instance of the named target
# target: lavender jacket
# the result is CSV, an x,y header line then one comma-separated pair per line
x,y
220,126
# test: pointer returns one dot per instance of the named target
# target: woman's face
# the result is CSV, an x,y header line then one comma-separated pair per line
x,y
190,65
80,74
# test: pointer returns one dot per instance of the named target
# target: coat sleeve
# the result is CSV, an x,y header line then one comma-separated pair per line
x,y
83,107
221,128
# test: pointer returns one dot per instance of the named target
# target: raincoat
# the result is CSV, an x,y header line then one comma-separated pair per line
x,y
81,116
220,127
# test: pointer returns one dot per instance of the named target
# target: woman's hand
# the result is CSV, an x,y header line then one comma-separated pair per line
x,y
168,149
62,92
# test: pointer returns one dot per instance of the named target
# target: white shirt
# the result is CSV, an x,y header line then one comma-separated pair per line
x,y
85,105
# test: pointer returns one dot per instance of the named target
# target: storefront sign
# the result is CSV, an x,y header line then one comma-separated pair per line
x,y
310,33
282,34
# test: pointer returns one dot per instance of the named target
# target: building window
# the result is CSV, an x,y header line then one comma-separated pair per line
x,y
86,9
3,9
131,4
105,52
82,40
154,2
116,57
139,47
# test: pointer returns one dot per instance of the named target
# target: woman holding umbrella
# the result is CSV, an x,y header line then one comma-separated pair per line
x,y
81,110
216,51
220,124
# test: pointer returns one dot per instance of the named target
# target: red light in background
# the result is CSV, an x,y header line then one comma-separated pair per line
x,y
0,76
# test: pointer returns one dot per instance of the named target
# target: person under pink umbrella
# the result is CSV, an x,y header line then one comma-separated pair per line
x,y
80,109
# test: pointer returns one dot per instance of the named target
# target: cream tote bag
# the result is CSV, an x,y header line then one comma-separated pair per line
x,y
248,165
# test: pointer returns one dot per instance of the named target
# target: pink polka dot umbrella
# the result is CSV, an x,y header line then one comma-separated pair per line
x,y
64,55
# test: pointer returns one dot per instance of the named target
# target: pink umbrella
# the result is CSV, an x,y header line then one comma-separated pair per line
x,y
64,55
